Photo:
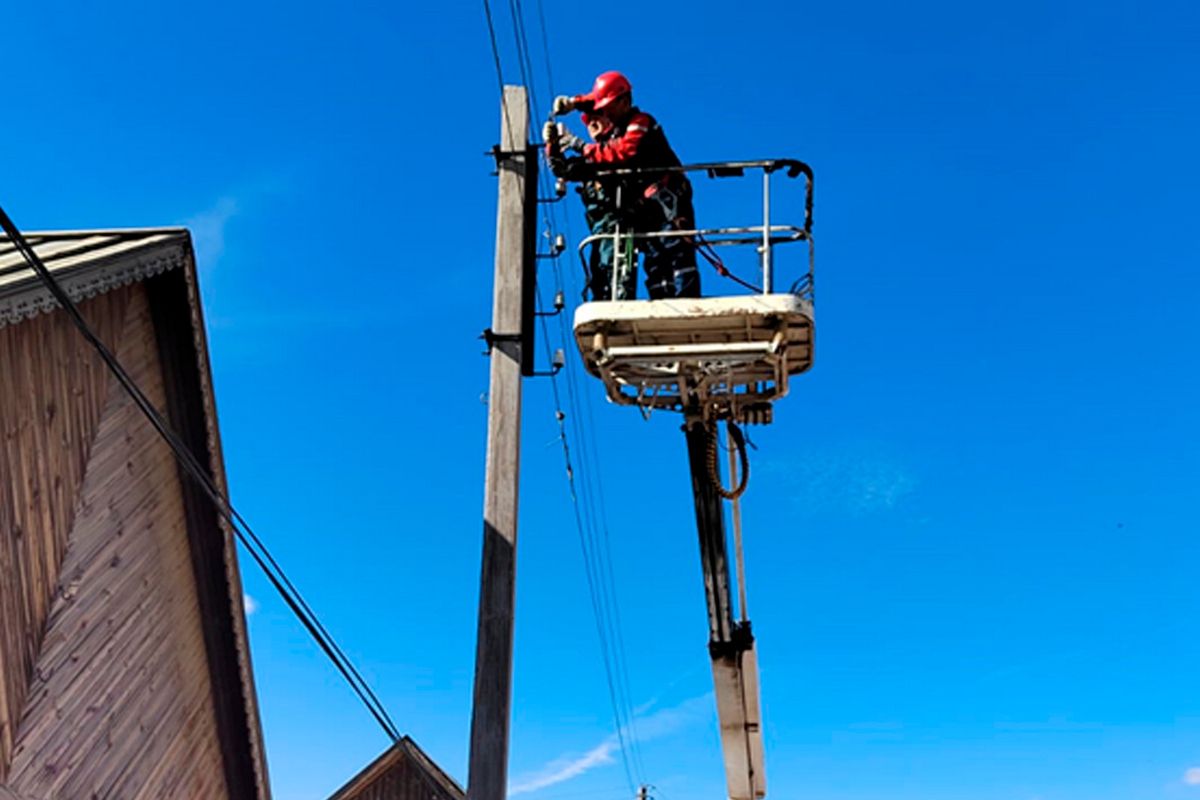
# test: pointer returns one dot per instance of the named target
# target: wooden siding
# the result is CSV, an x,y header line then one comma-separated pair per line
x,y
116,700
52,389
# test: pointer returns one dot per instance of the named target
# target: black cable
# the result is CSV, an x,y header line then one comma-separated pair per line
x,y
554,209
601,548
524,64
599,578
589,473
531,98
589,567
607,607
546,49
198,473
487,12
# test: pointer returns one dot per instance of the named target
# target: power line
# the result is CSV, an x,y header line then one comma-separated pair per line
x,y
597,559
224,507
589,568
487,12
588,470
545,48
608,607
525,66
600,553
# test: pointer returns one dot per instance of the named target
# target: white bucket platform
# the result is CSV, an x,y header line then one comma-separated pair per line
x,y
729,357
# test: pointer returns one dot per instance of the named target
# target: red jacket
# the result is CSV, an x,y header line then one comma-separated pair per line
x,y
638,142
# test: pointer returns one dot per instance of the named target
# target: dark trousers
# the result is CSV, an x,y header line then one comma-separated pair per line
x,y
669,262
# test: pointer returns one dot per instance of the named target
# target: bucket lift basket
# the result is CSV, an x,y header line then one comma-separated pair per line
x,y
726,357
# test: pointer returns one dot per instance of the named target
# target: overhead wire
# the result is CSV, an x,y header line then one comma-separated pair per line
x,y
523,61
491,26
545,47
596,550
193,468
584,434
601,550
525,67
589,570
585,437
595,546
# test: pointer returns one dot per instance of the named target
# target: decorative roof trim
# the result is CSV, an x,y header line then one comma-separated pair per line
x,y
30,297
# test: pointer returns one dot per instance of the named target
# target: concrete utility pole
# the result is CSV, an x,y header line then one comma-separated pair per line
x,y
488,771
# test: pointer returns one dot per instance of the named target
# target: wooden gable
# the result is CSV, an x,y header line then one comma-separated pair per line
x,y
124,668
403,772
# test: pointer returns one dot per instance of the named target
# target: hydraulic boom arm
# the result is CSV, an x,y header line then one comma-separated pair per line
x,y
730,642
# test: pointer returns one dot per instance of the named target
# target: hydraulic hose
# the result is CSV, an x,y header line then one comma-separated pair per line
x,y
714,472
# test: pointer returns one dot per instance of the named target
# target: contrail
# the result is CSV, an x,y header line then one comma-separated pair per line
x,y
655,725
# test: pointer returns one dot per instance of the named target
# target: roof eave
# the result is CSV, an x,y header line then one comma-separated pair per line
x,y
84,275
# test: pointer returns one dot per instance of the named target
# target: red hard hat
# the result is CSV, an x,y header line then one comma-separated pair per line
x,y
608,87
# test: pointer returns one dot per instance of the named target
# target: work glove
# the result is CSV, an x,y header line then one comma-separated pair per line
x,y
550,133
569,141
562,105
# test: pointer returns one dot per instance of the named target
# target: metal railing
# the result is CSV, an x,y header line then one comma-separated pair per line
x,y
764,237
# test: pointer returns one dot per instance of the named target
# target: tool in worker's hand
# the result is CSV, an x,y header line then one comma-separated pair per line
x,y
568,140
557,134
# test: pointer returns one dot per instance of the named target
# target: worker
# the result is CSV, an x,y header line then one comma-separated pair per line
x,y
657,201
599,206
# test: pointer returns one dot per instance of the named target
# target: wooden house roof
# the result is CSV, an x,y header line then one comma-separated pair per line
x,y
86,263
403,772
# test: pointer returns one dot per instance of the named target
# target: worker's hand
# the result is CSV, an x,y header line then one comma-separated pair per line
x,y
550,133
597,127
562,105
569,141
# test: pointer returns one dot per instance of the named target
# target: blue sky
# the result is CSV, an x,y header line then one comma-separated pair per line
x,y
970,533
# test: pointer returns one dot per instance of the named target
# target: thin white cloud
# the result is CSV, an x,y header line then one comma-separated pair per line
x,y
858,480
208,231
1191,776
250,604
655,725
666,721
565,768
